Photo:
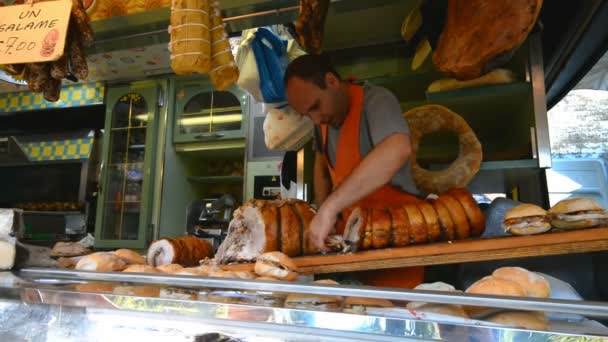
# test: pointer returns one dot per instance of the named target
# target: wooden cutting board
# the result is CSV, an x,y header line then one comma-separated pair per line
x,y
577,241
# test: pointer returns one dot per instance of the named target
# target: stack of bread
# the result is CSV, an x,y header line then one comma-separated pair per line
x,y
575,213
190,44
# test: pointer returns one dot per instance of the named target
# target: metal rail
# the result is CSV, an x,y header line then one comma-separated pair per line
x,y
585,308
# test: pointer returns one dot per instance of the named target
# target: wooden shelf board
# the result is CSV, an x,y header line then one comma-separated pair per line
x,y
579,241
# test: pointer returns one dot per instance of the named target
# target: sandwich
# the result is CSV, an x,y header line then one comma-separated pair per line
x,y
442,309
276,265
359,305
577,213
306,301
526,219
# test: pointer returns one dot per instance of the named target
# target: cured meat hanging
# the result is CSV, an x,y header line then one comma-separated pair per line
x,y
46,77
311,24
479,34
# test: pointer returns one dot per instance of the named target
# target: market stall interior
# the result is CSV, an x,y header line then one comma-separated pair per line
x,y
158,164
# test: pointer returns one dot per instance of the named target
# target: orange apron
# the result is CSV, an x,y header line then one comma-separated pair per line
x,y
348,157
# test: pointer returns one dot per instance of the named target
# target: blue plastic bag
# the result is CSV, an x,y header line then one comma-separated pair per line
x,y
270,53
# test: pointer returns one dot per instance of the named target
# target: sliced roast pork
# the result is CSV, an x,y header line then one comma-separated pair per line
x,y
246,237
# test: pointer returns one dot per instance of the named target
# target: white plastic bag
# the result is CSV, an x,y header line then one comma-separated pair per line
x,y
249,77
285,129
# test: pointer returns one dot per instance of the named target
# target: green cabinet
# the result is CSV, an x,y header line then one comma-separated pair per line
x,y
125,196
204,114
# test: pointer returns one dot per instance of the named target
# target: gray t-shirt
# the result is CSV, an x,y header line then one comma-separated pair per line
x,y
381,117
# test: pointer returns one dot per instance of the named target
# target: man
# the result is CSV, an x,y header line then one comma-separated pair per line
x,y
362,148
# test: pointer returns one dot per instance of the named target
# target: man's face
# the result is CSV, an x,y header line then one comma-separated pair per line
x,y
322,106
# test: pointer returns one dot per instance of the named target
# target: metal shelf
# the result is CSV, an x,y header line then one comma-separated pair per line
x,y
439,253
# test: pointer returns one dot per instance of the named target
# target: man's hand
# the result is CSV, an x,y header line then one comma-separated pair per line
x,y
321,225
376,169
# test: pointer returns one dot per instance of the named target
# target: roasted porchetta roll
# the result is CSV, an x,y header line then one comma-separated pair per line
x,y
186,251
266,226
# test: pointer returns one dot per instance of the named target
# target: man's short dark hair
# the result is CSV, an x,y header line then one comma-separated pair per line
x,y
311,68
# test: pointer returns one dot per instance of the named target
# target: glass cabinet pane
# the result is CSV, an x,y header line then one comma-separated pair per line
x,y
122,199
211,112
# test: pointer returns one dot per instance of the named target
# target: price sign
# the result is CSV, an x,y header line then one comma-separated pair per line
x,y
33,33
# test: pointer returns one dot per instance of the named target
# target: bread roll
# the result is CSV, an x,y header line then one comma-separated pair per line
x,y
497,286
534,284
130,256
493,286
400,232
169,268
102,262
520,319
459,217
137,290
276,265
442,309
359,305
141,269
192,271
95,286
431,219
418,230
381,228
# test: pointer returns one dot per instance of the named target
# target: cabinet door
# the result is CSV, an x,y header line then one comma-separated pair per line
x,y
123,212
205,114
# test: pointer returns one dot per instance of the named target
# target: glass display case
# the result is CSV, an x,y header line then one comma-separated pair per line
x,y
203,114
48,304
129,140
